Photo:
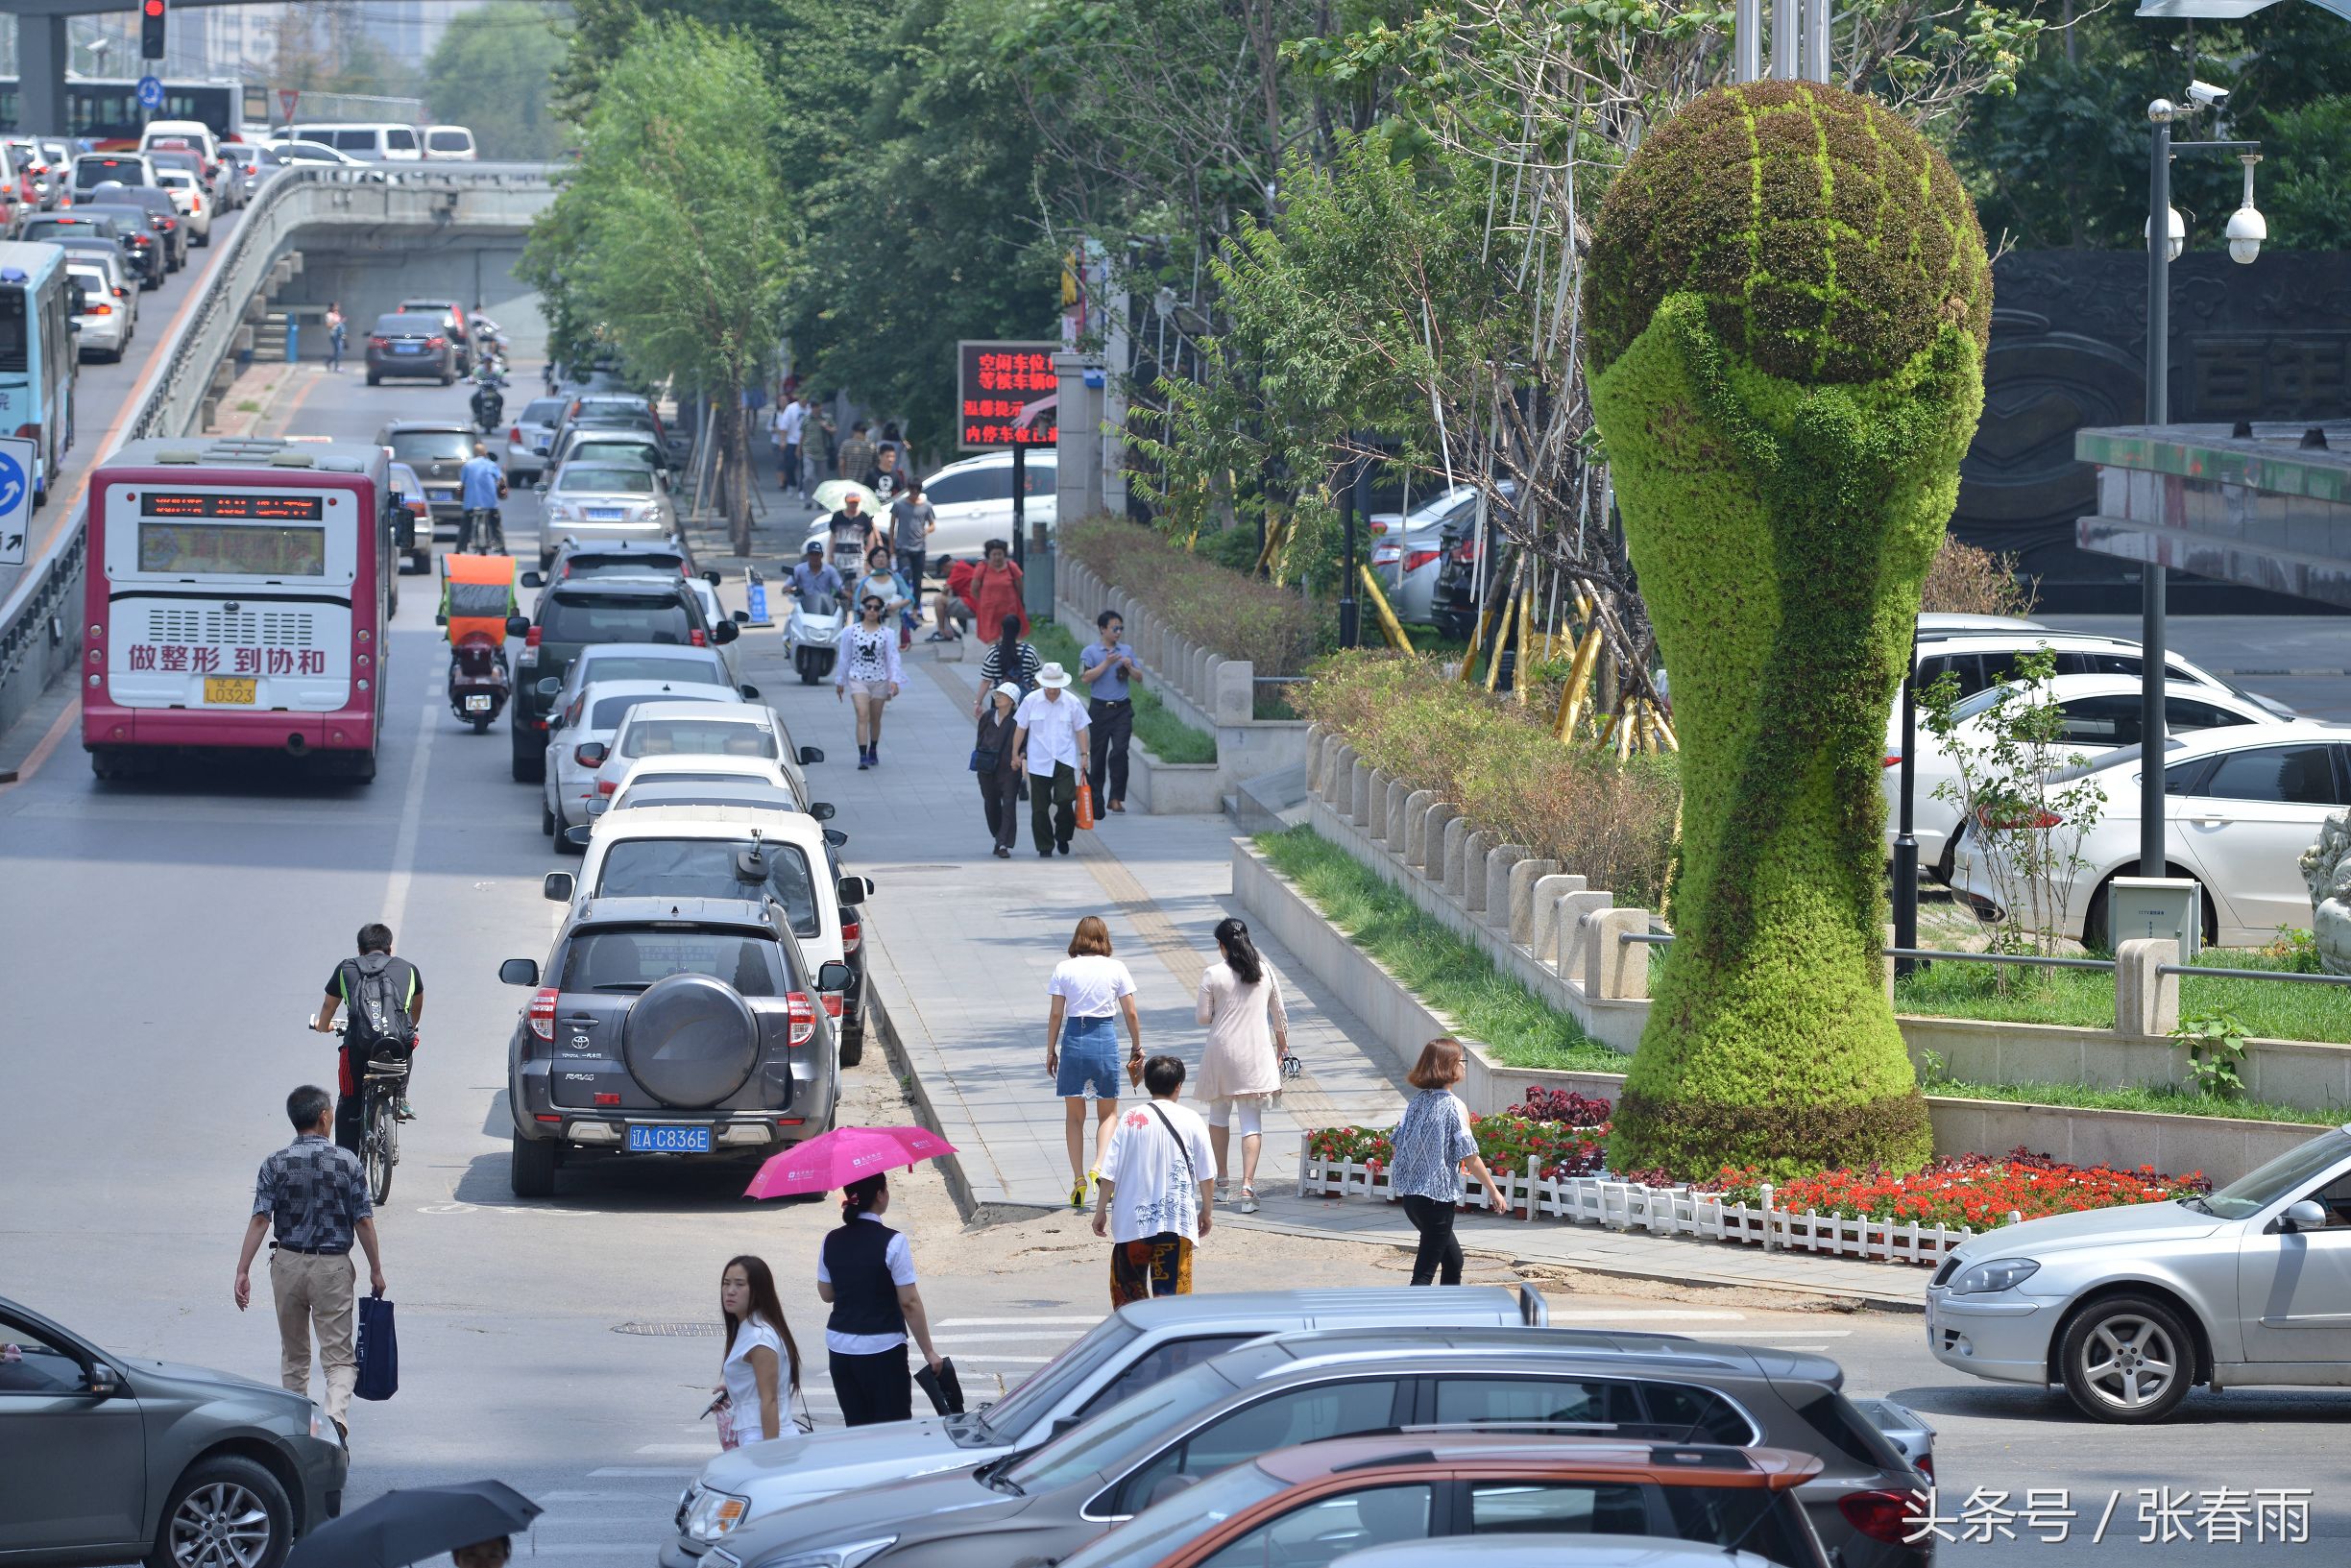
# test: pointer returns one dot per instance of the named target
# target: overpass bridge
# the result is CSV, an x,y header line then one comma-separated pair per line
x,y
311,236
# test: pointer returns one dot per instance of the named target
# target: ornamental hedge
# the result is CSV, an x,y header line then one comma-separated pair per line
x,y
1214,606
1788,301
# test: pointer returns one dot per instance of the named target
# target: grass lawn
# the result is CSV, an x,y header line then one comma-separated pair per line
x,y
2169,1101
1170,738
1439,967
2084,997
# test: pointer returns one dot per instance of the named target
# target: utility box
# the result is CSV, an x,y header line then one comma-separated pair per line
x,y
2171,908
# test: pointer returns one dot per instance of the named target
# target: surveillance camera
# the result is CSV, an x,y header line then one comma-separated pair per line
x,y
2210,96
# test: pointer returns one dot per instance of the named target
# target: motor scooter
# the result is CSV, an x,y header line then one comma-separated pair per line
x,y
489,407
812,634
477,596
479,683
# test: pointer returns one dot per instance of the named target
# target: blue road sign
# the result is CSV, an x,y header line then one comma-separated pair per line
x,y
150,92
17,459
756,590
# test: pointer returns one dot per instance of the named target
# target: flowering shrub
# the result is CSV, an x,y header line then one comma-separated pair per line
x,y
1975,1190
1562,1105
1505,1140
1352,1145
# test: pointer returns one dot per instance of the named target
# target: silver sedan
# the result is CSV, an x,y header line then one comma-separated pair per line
x,y
2129,1307
603,503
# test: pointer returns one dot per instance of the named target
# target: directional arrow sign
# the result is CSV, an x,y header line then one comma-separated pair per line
x,y
15,499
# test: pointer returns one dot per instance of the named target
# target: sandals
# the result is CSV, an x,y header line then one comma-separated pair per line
x,y
1248,1200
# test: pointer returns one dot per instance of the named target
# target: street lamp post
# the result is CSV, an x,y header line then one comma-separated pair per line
x,y
1906,836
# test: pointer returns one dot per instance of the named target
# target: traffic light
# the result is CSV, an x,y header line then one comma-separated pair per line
x,y
151,29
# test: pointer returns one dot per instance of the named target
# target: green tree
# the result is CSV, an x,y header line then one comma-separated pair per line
x,y
492,72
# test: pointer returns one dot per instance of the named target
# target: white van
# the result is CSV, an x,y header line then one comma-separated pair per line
x,y
194,132
377,142
448,144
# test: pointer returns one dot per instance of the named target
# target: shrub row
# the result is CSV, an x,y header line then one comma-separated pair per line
x,y
1609,822
1213,606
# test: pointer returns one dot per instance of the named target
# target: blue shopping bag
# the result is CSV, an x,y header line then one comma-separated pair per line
x,y
378,1350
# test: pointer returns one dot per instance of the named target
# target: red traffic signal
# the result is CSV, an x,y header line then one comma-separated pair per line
x,y
151,29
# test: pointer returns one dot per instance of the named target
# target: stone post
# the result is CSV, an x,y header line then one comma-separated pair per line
x,y
1358,809
1522,880
1615,969
2146,1004
1398,817
1339,776
1435,831
1476,845
1232,697
1573,918
1457,833
1498,862
1413,843
1542,911
1318,739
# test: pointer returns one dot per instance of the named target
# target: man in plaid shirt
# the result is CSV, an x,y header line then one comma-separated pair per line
x,y
314,1192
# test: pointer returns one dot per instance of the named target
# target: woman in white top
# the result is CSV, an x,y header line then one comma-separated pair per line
x,y
1241,1066
866,672
1089,990
761,1363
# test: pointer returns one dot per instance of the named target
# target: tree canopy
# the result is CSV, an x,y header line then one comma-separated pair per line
x,y
492,72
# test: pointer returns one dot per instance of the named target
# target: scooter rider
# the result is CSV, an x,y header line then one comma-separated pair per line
x,y
818,582
484,486
489,407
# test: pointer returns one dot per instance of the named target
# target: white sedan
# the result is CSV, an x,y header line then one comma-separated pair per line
x,y
580,738
749,731
2101,715
188,200
974,501
2243,803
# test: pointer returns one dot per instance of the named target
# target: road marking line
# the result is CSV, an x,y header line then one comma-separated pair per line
x,y
1006,1322
48,744
1769,1334
1596,1316
412,817
638,1470
1049,1338
710,1447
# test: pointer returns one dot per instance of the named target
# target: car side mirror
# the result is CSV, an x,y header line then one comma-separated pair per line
x,y
743,618
518,972
834,976
810,755
712,578
557,887
577,836
518,626
836,837
548,687
854,890
1065,1424
748,691
101,1380
2308,1214
593,754
725,632
539,450
532,579
821,810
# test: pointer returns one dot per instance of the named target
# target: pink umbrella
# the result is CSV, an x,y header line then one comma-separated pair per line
x,y
835,1159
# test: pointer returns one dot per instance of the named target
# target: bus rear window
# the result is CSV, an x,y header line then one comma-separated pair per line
x,y
11,329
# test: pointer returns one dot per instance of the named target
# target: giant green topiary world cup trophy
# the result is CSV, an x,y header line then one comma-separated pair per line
x,y
1788,301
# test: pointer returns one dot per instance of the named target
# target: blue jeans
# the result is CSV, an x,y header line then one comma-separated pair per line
x,y
1089,1058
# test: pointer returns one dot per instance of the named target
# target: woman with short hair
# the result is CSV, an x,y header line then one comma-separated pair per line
x,y
1090,990
1433,1142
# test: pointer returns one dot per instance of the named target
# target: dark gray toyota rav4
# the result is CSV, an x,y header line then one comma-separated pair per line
x,y
677,1028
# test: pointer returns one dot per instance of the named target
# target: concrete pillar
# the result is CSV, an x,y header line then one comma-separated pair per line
x,y
1375,810
1339,776
1542,911
2146,1004
1395,818
1415,843
1436,827
1232,691
1318,740
1522,880
1358,807
41,51
1572,918
1498,862
1477,849
1078,444
1456,858
1615,970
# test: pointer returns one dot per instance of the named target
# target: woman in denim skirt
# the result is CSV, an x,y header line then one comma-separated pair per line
x,y
1089,990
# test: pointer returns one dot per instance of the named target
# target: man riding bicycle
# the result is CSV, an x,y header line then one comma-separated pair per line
x,y
484,486
386,998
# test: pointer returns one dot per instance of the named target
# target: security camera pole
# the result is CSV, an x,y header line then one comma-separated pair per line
x,y
2166,238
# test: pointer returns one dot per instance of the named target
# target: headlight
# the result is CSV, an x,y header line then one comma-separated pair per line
x,y
322,1426
712,1514
851,1556
1997,1274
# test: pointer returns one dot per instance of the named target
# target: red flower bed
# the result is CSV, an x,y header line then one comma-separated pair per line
x,y
1564,1132
1562,1105
1973,1189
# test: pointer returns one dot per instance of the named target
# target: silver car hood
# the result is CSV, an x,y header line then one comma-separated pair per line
x,y
2135,1224
800,1467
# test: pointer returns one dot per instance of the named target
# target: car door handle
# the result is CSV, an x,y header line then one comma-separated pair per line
x,y
2207,822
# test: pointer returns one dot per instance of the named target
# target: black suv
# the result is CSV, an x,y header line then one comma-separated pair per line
x,y
571,616
688,1027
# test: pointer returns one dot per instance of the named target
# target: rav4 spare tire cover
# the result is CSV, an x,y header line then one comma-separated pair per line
x,y
690,1041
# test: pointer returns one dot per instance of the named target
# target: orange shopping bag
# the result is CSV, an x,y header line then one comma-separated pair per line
x,y
1085,803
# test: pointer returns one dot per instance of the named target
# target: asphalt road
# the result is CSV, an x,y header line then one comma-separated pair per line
x,y
160,944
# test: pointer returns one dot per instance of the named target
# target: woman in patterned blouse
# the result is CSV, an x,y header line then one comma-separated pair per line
x,y
1432,1144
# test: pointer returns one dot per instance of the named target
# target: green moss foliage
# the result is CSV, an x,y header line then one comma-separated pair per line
x,y
1782,525
1828,240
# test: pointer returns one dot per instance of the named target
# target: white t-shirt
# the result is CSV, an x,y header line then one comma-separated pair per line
x,y
742,1382
1053,725
1155,1187
1093,983
899,1258
787,422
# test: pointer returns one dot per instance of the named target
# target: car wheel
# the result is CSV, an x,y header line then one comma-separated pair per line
x,y
373,379
546,820
852,1044
226,1512
530,768
2127,1358
531,1171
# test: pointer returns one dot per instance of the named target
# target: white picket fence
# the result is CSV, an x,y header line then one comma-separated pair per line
x,y
1665,1211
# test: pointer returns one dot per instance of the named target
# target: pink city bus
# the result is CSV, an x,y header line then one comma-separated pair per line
x,y
238,596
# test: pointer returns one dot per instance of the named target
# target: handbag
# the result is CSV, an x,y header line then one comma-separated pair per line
x,y
1085,803
986,759
378,1350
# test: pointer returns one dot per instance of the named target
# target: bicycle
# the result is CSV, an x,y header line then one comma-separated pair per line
x,y
382,1085
484,532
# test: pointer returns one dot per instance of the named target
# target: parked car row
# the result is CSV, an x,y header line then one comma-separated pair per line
x,y
973,500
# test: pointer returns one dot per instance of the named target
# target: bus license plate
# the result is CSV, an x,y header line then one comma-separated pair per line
x,y
238,688
643,1139
477,704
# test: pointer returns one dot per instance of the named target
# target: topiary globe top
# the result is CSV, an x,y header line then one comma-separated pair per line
x,y
1829,240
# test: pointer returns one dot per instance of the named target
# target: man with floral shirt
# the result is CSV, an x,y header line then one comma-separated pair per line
x,y
1157,1186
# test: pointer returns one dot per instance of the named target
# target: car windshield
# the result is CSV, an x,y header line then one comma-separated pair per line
x,y
704,868
698,737
631,959
665,792
415,446
615,617
606,481
1039,1393
448,142
612,450
609,712
585,564
655,666
2289,1174
1169,1525
1122,1432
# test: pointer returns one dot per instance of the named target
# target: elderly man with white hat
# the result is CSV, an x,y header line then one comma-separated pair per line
x,y
1050,741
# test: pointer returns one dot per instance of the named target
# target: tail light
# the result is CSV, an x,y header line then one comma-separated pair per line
x,y
28,432
379,343
1882,1516
99,310
852,933
1418,559
1925,1465
436,343
605,787
700,640
122,293
803,1018
532,638
514,436
832,1004
1892,760
543,1013
603,1098
1387,555
2041,819
195,204
1465,551
170,224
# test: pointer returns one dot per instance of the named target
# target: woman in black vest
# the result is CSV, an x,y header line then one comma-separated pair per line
x,y
866,1270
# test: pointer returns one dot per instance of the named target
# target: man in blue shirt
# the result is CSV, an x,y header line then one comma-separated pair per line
x,y
816,581
1106,663
484,485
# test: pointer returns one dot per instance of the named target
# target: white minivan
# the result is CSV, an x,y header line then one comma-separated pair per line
x,y
448,144
377,142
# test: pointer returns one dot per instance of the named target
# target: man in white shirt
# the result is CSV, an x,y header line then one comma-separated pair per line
x,y
1050,740
791,418
1157,1185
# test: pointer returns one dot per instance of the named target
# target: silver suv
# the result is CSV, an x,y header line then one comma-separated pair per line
x,y
675,1027
1133,1348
